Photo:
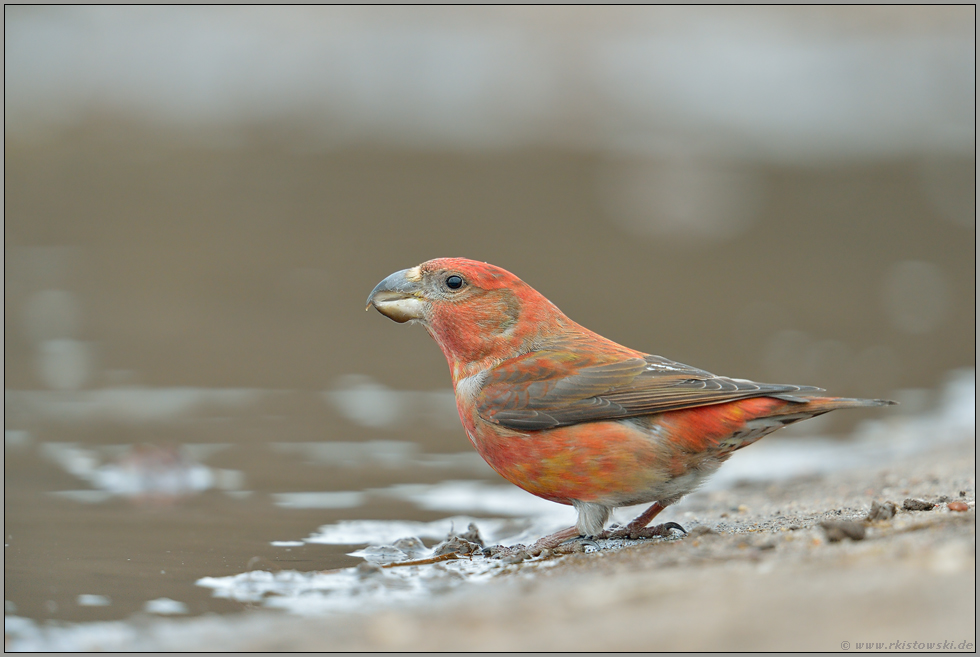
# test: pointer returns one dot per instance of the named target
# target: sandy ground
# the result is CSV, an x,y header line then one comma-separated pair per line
x,y
756,572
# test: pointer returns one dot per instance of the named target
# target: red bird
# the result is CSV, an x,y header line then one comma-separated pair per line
x,y
572,417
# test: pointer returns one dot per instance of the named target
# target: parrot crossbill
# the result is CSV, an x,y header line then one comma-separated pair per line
x,y
573,417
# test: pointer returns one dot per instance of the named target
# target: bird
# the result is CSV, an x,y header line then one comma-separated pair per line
x,y
573,417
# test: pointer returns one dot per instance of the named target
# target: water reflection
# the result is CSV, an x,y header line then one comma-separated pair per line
x,y
321,500
475,497
386,453
368,403
92,600
468,495
391,454
137,404
382,532
155,474
165,607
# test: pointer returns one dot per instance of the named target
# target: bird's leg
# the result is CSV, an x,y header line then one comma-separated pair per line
x,y
553,540
637,528
642,520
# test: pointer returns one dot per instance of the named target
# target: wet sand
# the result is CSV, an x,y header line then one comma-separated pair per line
x,y
756,572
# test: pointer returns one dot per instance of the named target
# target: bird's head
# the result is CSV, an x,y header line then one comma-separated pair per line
x,y
474,310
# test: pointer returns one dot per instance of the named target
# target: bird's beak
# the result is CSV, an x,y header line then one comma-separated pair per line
x,y
398,297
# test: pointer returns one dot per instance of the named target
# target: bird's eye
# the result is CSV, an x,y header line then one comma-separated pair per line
x,y
454,282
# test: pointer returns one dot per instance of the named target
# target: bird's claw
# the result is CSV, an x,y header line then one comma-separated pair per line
x,y
635,533
667,526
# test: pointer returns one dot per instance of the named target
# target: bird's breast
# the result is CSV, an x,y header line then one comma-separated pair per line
x,y
608,462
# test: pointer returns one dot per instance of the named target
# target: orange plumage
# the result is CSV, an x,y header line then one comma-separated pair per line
x,y
571,416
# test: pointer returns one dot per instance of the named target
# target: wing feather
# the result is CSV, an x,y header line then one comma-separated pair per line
x,y
551,388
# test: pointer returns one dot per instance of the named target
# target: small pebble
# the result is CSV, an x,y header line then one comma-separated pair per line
x,y
882,511
958,506
912,504
515,558
501,551
472,534
838,530
456,544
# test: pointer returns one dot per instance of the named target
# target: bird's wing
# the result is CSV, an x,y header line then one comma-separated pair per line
x,y
552,388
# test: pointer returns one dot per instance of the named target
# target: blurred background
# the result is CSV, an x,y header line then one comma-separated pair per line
x,y
198,201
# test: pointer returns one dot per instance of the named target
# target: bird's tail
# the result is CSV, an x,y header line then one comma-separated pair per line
x,y
766,414
818,405
801,408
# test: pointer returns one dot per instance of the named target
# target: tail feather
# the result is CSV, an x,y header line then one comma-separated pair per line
x,y
808,407
817,405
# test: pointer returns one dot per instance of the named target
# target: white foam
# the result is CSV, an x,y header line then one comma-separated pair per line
x,y
351,589
136,471
474,497
382,532
319,500
165,607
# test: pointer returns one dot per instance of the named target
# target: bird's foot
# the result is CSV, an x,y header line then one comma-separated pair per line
x,y
578,544
634,532
561,542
